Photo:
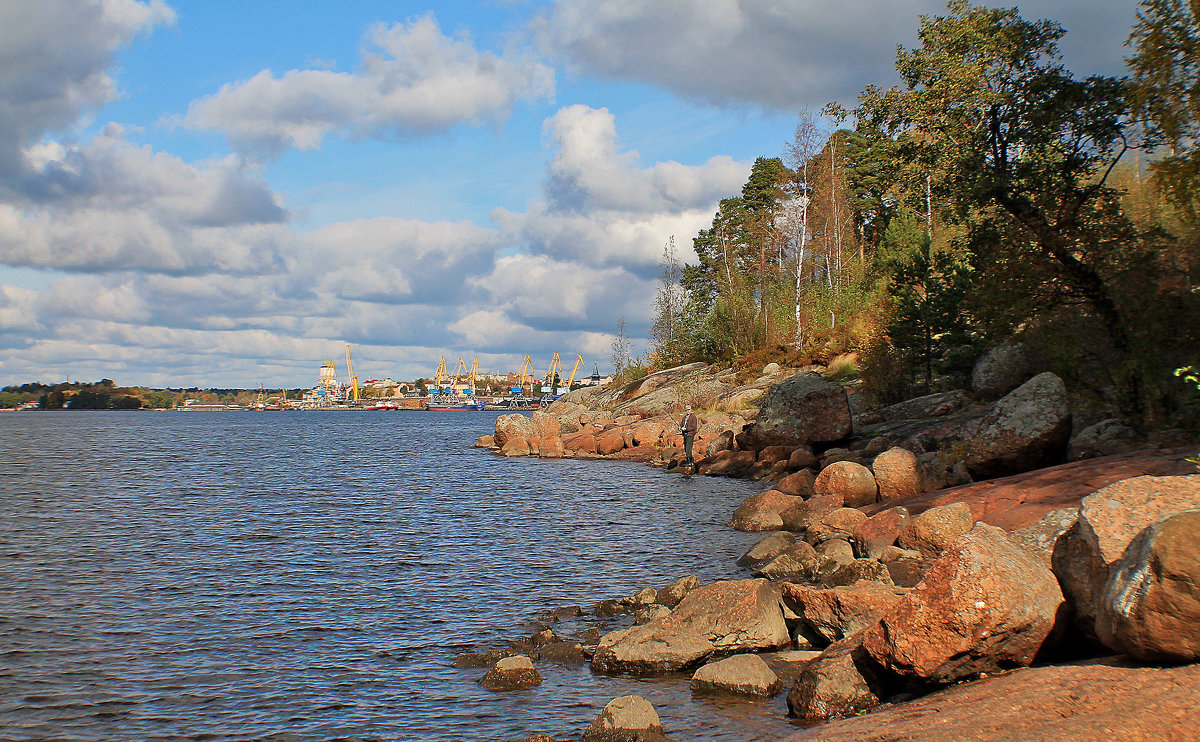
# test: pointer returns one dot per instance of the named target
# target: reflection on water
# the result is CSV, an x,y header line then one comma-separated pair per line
x,y
312,576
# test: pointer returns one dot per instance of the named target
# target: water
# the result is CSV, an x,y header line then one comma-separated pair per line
x,y
312,576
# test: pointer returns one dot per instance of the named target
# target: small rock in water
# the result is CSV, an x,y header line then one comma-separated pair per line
x,y
511,673
746,674
625,718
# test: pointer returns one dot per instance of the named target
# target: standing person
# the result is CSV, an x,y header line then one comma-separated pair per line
x,y
688,428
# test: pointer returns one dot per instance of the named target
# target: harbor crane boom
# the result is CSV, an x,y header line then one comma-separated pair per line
x,y
526,372
350,373
439,375
554,372
571,379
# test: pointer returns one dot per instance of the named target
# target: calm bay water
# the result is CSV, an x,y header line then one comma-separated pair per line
x,y
312,576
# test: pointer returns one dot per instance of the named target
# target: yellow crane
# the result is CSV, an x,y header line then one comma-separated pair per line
x,y
350,373
461,374
526,372
571,379
554,372
439,375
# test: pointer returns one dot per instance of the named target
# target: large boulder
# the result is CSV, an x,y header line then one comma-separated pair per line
x,y
514,426
654,648
801,410
761,512
799,483
984,606
1150,606
834,613
670,595
746,674
1026,430
1109,519
838,524
1040,538
730,464
625,719
1105,438
853,481
1000,370
734,615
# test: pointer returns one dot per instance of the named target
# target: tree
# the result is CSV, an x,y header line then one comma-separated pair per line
x,y
1022,150
667,334
1166,92
622,356
928,288
801,151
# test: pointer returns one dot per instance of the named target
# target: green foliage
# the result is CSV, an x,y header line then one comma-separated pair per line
x,y
1166,91
928,289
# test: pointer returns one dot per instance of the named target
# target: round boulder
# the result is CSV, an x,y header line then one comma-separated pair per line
x,y
897,473
853,481
1150,607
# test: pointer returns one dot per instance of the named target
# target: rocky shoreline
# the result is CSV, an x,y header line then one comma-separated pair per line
x,y
964,550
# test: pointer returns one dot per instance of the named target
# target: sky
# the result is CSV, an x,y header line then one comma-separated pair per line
x,y
220,193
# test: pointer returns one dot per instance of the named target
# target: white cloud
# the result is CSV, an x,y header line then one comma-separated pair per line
x,y
413,80
783,54
601,209
56,59
111,205
399,261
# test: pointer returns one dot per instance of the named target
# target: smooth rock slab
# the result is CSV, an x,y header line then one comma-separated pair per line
x,y
744,674
985,605
1098,701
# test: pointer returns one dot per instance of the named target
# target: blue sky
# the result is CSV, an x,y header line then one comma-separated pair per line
x,y
199,192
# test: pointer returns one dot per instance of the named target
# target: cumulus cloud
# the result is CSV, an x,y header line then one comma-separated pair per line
x,y
111,205
601,209
782,54
413,80
400,261
56,59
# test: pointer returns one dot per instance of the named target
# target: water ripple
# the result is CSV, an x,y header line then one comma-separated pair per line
x,y
245,576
